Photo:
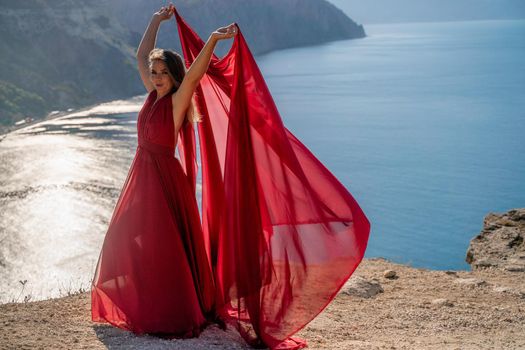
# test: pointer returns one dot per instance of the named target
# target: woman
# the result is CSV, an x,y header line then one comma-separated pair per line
x,y
153,275
282,235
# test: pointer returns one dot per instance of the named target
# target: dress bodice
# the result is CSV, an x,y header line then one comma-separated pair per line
x,y
155,121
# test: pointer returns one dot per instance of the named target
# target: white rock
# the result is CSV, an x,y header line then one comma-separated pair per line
x,y
389,274
470,282
442,302
360,287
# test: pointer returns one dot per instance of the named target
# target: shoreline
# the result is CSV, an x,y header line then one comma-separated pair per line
x,y
13,128
384,305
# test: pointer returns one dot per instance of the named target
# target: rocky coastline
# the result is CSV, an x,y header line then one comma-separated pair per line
x,y
501,242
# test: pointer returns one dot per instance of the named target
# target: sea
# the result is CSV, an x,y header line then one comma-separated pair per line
x,y
424,124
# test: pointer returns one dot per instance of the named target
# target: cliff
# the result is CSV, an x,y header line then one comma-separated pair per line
x,y
69,53
60,54
501,242
267,25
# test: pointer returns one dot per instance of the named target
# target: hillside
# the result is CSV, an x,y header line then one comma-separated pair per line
x,y
60,54
67,53
267,25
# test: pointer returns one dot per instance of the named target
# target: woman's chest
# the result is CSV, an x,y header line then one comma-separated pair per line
x,y
155,121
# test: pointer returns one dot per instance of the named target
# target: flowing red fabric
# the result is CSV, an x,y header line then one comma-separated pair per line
x,y
282,233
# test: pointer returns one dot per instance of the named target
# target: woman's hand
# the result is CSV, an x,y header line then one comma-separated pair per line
x,y
165,12
225,32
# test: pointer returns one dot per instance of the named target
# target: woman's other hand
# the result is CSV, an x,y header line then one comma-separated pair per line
x,y
165,12
225,32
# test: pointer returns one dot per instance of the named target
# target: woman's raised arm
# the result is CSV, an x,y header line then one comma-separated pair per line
x,y
182,98
148,43
202,61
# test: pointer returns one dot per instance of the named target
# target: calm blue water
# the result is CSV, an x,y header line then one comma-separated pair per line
x,y
422,122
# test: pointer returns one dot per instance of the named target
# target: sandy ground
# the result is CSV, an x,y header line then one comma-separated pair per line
x,y
483,310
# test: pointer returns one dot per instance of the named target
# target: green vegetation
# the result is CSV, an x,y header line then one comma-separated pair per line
x,y
17,103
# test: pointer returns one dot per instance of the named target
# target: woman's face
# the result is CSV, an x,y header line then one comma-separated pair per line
x,y
160,77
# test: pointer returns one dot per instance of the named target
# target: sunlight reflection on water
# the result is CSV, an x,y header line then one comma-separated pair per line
x,y
60,180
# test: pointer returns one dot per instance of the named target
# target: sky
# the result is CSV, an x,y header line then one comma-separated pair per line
x,y
392,11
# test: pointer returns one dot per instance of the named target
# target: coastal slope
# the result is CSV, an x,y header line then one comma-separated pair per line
x,y
64,54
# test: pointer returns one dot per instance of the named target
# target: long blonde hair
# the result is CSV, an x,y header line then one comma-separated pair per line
x,y
177,71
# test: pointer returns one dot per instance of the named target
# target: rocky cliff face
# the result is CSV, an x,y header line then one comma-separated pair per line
x,y
60,54
501,243
267,25
69,53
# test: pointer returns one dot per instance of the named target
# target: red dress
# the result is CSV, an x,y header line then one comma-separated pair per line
x,y
153,274
280,235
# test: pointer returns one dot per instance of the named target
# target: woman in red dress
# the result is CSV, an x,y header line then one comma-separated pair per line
x,y
280,235
153,274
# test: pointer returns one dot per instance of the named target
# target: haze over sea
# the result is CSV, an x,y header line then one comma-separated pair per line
x,y
422,122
